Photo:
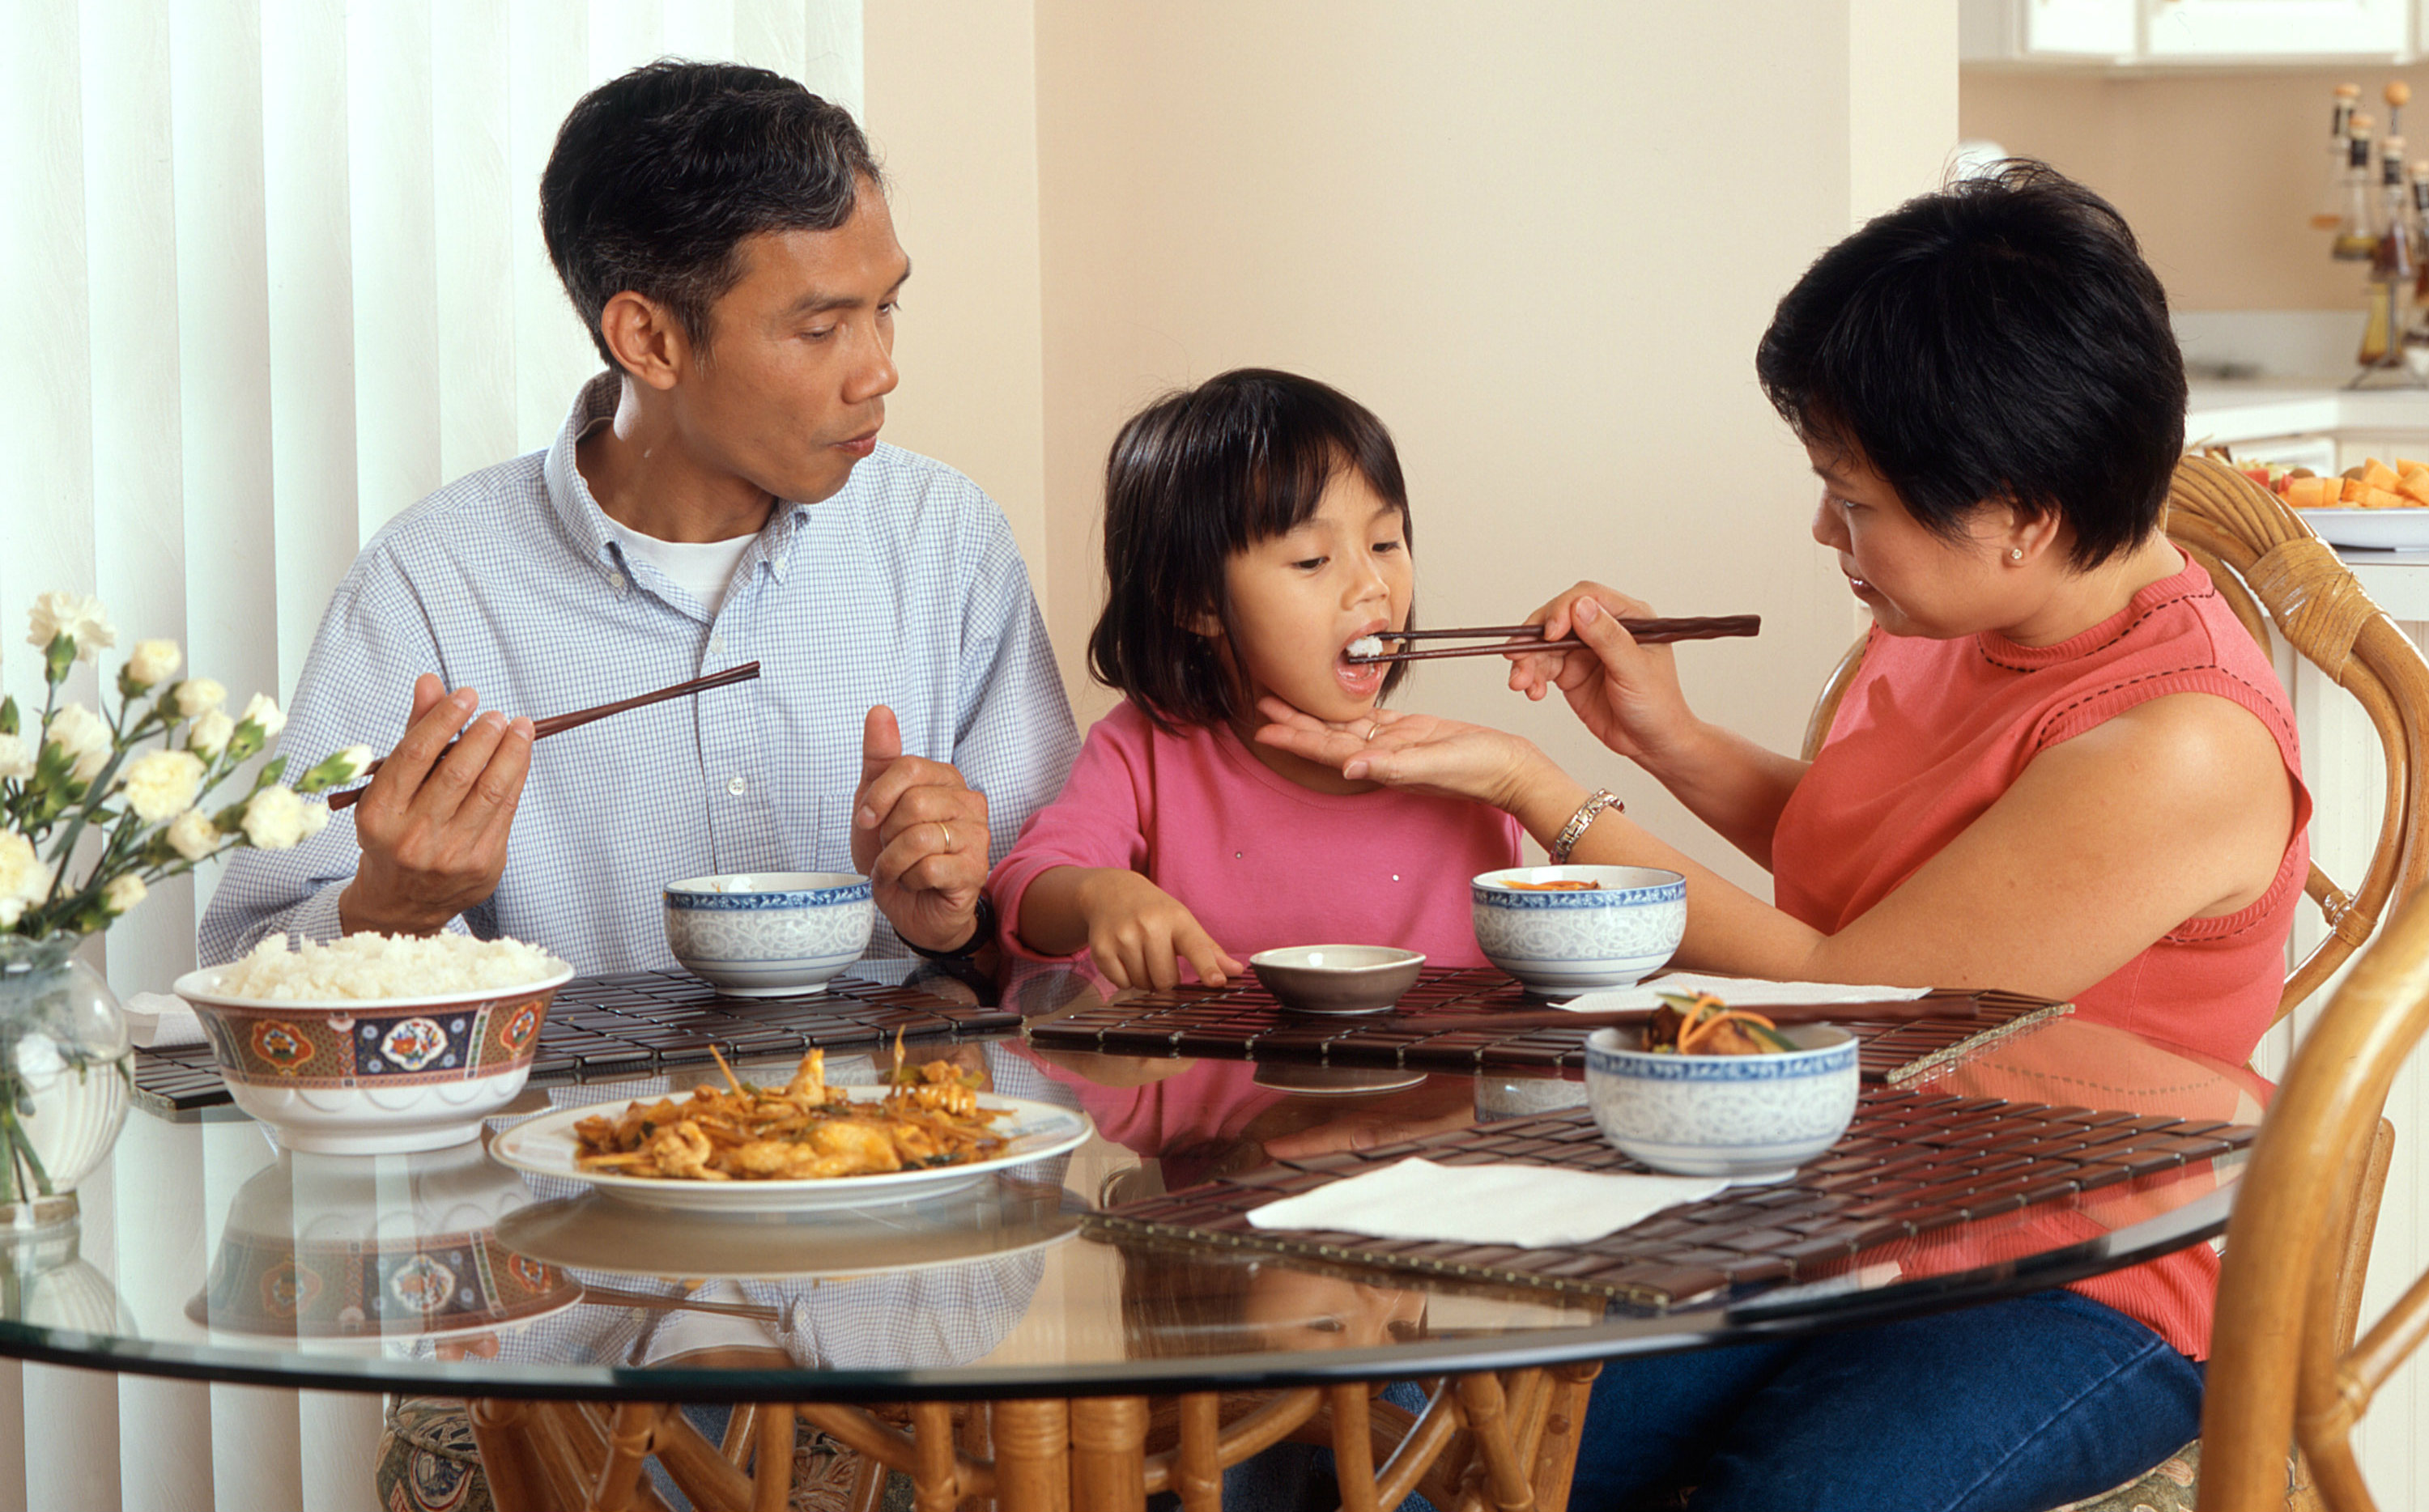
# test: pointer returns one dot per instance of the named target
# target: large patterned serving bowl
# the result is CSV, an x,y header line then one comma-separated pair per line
x,y
1613,933
770,934
1745,1116
374,1075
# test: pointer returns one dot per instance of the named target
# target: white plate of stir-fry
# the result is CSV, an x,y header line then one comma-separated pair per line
x,y
737,1145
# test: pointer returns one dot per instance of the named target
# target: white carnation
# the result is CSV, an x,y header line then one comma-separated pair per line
x,y
316,818
358,759
162,783
123,894
199,696
274,820
210,735
263,712
152,661
80,616
16,757
79,733
23,879
192,835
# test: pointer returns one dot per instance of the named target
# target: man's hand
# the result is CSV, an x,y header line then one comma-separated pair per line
x,y
433,824
921,836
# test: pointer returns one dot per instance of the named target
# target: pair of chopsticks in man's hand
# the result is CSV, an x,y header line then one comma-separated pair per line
x,y
1647,631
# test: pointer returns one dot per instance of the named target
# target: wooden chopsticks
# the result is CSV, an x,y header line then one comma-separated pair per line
x,y
1648,632
1935,1005
558,723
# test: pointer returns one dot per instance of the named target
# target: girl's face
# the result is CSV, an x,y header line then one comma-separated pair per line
x,y
1915,581
1299,598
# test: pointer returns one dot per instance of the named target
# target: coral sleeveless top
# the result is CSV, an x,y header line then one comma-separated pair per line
x,y
1931,732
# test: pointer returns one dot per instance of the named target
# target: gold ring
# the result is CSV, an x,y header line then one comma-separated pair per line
x,y
949,835
1373,730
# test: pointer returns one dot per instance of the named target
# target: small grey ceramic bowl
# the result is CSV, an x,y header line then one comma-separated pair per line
x,y
1337,978
770,934
1563,941
1724,1115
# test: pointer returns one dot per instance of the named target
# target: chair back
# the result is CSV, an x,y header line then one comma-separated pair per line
x,y
2284,1366
2268,568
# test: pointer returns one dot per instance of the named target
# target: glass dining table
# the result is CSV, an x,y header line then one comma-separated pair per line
x,y
1020,1339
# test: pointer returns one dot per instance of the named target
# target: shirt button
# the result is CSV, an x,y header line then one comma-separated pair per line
x,y
736,786
717,643
614,580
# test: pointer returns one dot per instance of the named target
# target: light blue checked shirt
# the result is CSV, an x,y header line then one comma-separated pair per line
x,y
904,589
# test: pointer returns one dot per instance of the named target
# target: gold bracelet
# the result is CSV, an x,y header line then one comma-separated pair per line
x,y
1583,820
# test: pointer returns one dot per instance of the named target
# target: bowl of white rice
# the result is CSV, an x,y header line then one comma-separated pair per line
x,y
375,1044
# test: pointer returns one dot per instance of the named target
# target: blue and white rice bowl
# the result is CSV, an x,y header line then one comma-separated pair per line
x,y
1724,1115
1575,940
770,934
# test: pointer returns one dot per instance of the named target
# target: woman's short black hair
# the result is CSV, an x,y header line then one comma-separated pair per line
x,y
658,176
2002,340
1192,478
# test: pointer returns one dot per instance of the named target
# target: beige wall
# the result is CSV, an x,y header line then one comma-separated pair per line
x,y
1542,250
2217,172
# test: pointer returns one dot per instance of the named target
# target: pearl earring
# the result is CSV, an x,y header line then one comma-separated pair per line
x,y
2015,553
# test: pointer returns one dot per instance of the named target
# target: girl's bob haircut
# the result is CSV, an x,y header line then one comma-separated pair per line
x,y
1192,478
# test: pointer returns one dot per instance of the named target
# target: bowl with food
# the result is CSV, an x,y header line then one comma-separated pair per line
x,y
1709,1091
375,1044
1337,978
770,934
1571,929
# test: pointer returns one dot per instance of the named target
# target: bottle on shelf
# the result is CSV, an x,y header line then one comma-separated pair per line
x,y
2394,262
2329,212
2357,237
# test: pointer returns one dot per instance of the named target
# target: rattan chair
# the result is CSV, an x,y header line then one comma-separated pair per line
x,y
2273,571
2284,1364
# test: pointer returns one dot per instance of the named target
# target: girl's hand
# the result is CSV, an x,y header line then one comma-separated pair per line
x,y
1627,694
1139,933
1415,752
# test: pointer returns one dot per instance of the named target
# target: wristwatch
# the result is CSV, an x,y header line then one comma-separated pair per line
x,y
980,937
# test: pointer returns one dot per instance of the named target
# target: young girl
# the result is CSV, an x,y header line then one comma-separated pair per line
x,y
1254,527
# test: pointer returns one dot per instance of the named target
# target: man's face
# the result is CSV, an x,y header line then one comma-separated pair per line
x,y
791,390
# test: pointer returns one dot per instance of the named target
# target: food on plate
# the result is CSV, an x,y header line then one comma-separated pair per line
x,y
1558,884
802,1131
365,966
1701,1024
2401,484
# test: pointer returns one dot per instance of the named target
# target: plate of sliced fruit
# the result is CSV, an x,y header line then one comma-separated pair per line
x,y
2376,506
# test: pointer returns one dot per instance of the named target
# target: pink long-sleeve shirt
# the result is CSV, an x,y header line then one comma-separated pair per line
x,y
1260,861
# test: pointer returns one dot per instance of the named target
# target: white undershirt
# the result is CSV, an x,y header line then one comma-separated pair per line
x,y
704,567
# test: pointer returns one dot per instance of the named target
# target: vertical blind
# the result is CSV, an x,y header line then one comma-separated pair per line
x,y
276,272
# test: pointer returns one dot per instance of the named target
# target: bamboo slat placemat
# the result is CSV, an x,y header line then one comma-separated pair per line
x,y
1910,1164
644,1023
1244,1022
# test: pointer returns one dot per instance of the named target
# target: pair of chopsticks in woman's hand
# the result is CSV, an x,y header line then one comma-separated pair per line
x,y
1652,632
556,724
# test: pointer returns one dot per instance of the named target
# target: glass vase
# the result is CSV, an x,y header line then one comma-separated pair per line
x,y
65,1069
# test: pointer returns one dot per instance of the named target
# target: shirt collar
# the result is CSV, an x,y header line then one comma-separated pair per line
x,y
587,524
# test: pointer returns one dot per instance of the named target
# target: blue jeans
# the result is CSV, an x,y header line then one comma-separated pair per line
x,y
2015,1407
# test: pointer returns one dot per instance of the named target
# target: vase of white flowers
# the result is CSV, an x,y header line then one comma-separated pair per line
x,y
95,808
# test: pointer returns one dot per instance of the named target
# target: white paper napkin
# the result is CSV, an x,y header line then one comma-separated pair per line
x,y
1738,992
1528,1205
155,1019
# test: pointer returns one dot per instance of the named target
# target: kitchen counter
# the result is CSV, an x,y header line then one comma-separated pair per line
x,y
2245,410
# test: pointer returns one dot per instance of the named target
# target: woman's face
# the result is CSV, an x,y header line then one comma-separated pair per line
x,y
1915,581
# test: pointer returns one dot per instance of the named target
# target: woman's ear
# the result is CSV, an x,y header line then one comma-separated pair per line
x,y
2023,535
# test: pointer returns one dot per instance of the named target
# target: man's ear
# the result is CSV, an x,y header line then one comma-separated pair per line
x,y
647,339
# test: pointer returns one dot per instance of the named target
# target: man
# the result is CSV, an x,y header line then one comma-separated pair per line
x,y
718,495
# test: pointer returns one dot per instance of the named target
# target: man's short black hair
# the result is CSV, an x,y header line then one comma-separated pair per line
x,y
658,176
1194,477
2002,340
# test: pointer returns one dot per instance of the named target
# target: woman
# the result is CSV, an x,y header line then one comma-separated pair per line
x,y
2063,768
